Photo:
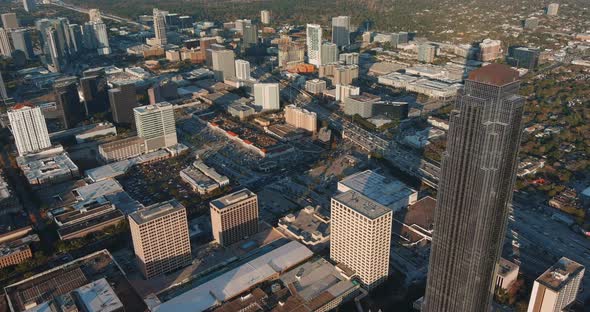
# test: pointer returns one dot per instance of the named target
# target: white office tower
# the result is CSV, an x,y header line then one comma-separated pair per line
x,y
344,91
156,124
3,93
557,287
329,53
94,15
341,30
241,24
243,70
361,236
5,46
301,118
160,27
223,64
265,17
102,38
29,129
314,44
266,96
552,9
29,5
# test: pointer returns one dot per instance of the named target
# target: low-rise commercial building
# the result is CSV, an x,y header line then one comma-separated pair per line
x,y
361,104
122,149
506,275
48,167
16,248
309,226
202,178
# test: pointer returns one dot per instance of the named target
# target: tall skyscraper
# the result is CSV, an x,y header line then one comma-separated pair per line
x,y
94,87
250,36
266,96
265,17
88,36
426,53
77,38
102,38
360,236
234,217
9,20
243,70
122,100
160,27
475,190
3,93
341,30
67,101
160,238
314,44
5,45
21,40
223,64
157,125
557,287
552,9
28,128
30,5
329,53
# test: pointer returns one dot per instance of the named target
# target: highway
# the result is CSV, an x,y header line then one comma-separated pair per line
x,y
103,14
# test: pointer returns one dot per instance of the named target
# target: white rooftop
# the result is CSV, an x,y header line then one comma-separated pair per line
x,y
99,296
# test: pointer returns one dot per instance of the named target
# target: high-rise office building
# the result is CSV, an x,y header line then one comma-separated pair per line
x,y
157,125
523,57
250,36
329,53
475,190
223,64
490,50
94,88
102,38
94,15
266,96
77,38
360,236
122,100
240,24
5,45
89,37
160,27
9,20
341,30
243,70
21,40
557,287
160,238
301,118
426,53
28,128
3,93
234,217
68,102
30,5
344,91
265,17
552,9
314,44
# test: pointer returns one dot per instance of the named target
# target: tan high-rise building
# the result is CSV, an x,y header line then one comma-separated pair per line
x,y
557,287
160,238
265,17
234,217
360,236
301,118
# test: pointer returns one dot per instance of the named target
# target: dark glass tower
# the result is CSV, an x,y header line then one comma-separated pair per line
x,y
475,191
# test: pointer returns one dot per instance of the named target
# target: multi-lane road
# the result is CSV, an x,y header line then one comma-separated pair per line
x,y
103,14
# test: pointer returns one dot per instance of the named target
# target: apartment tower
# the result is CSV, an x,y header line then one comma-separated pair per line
x,y
28,128
314,44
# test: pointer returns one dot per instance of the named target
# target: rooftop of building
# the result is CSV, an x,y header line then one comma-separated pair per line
x,y
385,191
17,245
365,97
362,204
309,223
506,267
559,274
156,211
60,281
494,74
232,198
151,108
88,223
46,164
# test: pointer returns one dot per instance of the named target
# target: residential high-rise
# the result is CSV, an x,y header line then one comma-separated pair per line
x,y
21,40
552,9
234,217
557,287
291,53
5,46
122,100
102,38
475,190
490,50
160,27
314,44
301,118
426,53
240,24
9,20
329,53
28,128
30,5
77,38
349,58
265,17
67,101
344,91
360,236
94,87
266,96
160,238
243,70
315,86
341,30
157,125
223,64
250,36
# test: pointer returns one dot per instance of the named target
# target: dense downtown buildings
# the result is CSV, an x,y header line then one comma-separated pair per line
x,y
485,129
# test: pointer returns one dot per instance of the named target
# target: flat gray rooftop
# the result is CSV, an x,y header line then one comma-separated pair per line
x,y
156,211
362,204
232,198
